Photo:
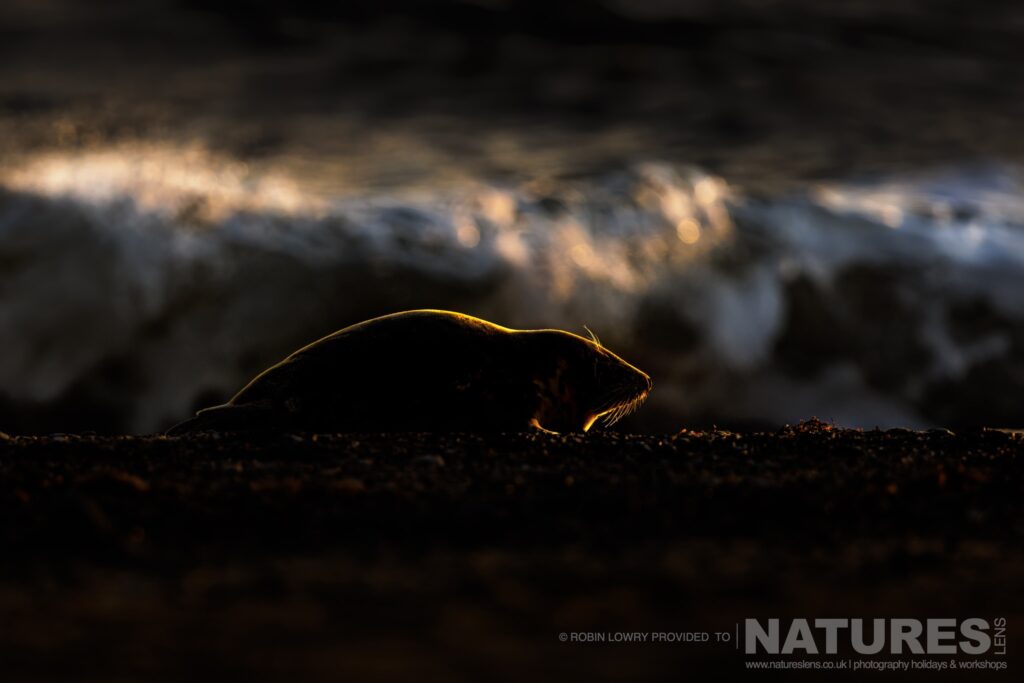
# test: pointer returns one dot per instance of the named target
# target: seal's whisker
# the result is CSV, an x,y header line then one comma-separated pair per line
x,y
623,409
618,408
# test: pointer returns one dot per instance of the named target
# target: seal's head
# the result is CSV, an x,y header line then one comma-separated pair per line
x,y
585,383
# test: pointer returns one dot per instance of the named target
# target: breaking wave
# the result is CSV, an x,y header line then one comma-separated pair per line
x,y
138,283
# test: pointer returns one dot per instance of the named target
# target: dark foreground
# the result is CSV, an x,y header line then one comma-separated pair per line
x,y
428,557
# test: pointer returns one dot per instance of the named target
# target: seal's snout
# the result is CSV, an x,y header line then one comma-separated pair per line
x,y
634,380
644,383
623,388
642,386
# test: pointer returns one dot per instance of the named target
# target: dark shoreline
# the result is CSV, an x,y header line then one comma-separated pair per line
x,y
441,557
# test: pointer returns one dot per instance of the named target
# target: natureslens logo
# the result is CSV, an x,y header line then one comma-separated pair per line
x,y
836,644
974,636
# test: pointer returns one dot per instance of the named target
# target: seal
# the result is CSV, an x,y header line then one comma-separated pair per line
x,y
432,371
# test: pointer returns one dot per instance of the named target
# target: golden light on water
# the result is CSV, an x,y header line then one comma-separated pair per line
x,y
675,216
891,216
583,254
188,181
688,231
676,205
577,256
695,207
466,231
883,205
499,207
707,190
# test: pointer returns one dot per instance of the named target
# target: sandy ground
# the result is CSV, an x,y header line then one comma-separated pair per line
x,y
463,557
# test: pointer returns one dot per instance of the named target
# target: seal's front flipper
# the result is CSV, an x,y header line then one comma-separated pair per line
x,y
229,418
535,424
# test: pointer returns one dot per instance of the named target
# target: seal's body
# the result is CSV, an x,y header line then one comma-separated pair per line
x,y
434,371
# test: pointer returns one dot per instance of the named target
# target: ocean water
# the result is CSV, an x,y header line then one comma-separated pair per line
x,y
141,281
